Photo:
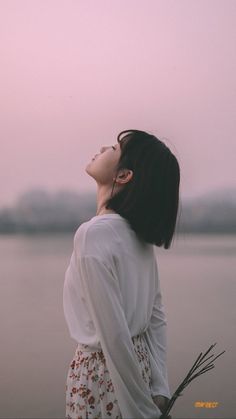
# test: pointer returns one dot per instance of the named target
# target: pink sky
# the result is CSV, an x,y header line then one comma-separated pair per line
x,y
76,73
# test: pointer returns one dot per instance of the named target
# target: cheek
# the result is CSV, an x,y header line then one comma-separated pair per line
x,y
103,164
106,167
108,161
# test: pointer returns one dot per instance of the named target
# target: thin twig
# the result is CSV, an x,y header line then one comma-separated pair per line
x,y
189,377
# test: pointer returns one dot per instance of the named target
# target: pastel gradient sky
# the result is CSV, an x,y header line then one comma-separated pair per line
x,y
75,73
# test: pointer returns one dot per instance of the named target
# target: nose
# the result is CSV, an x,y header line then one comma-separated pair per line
x,y
102,149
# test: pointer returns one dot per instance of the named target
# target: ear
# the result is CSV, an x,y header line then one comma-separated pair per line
x,y
124,176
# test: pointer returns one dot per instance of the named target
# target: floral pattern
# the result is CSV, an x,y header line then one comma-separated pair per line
x,y
89,389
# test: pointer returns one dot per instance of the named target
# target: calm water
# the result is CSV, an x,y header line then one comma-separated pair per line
x,y
198,281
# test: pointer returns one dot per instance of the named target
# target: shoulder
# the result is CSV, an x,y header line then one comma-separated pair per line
x,y
95,238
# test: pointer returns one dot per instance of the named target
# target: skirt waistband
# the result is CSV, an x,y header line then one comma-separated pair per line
x,y
88,348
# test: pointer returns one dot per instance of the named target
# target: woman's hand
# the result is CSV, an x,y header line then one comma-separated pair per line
x,y
161,402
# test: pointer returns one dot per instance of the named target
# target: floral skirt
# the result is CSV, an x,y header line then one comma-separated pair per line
x,y
89,389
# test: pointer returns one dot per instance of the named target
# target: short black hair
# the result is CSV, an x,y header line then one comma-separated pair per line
x,y
150,200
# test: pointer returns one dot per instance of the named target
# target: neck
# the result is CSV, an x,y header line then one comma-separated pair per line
x,y
103,193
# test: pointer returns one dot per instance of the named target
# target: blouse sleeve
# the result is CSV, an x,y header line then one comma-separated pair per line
x,y
104,301
156,338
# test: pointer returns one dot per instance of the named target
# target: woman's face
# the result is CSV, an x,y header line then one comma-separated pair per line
x,y
103,166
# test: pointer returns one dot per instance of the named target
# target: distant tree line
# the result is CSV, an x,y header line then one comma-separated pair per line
x,y
40,211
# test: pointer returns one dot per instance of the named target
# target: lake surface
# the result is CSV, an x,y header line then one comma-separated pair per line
x,y
198,282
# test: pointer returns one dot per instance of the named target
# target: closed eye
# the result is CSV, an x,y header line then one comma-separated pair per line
x,y
114,148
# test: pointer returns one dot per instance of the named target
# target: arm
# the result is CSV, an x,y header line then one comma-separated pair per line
x,y
104,302
156,339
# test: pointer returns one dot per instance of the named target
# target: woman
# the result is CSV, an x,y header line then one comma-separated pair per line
x,y
112,298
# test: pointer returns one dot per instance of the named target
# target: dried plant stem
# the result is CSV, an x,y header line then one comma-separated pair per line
x,y
190,376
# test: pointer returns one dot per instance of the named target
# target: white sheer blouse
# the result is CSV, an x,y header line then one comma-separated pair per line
x,y
112,293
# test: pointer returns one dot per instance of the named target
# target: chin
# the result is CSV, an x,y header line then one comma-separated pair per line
x,y
87,168
88,171
88,164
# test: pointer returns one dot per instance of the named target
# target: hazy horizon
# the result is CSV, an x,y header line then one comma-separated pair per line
x,y
76,73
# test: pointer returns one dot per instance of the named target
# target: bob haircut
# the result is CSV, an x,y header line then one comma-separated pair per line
x,y
150,200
